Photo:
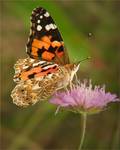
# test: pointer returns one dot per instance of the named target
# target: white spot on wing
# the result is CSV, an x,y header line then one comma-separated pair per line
x,y
41,17
46,14
39,28
50,66
47,27
38,63
31,60
25,67
55,26
38,21
41,62
50,26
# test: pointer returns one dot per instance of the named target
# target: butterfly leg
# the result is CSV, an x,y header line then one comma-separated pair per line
x,y
57,110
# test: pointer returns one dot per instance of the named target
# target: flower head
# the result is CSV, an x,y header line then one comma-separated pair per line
x,y
84,98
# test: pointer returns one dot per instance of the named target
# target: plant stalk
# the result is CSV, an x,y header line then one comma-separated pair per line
x,y
84,117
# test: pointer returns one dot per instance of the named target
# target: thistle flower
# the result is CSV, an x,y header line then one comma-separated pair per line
x,y
84,98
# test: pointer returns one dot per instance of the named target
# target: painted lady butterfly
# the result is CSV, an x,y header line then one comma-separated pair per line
x,y
47,68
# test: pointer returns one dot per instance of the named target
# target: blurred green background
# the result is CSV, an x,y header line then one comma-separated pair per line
x,y
89,28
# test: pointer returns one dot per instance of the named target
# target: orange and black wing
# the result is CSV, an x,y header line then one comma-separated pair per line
x,y
45,41
28,68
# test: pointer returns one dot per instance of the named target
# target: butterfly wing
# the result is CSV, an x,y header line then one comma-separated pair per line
x,y
45,41
29,68
36,81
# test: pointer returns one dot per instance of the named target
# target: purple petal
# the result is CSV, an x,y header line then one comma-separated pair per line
x,y
84,96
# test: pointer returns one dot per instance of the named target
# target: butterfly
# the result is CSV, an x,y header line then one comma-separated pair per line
x,y
47,67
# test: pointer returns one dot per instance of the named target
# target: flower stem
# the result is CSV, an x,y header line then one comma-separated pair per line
x,y
84,116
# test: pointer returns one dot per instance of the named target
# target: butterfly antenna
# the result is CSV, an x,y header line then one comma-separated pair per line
x,y
83,60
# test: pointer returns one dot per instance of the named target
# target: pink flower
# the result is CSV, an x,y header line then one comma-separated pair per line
x,y
84,98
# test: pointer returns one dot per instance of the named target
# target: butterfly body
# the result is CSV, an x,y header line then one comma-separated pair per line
x,y
47,69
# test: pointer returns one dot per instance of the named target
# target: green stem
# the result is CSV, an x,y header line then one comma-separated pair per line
x,y
84,116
